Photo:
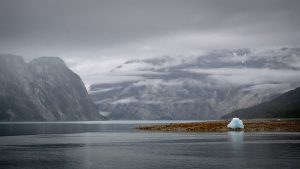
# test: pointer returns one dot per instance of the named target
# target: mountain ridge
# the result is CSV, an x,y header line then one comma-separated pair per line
x,y
43,89
204,86
286,105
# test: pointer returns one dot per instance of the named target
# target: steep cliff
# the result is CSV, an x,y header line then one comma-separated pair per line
x,y
44,89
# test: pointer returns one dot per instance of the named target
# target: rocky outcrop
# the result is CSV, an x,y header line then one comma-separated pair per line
x,y
44,89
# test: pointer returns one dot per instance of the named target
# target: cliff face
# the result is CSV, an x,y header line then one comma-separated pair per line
x,y
44,89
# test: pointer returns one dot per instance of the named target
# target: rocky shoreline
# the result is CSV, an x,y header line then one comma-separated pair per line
x,y
280,125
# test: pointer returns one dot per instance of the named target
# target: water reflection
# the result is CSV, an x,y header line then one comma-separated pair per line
x,y
131,149
33,128
236,140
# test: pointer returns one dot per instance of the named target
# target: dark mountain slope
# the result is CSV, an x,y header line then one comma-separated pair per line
x,y
286,105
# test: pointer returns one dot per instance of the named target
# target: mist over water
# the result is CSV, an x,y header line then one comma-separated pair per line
x,y
115,145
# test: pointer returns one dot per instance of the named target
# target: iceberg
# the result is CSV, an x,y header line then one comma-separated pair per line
x,y
236,123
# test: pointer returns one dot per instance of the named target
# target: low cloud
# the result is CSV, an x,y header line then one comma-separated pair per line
x,y
250,75
94,37
108,79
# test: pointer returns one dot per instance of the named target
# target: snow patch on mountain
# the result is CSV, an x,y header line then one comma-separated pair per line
x,y
203,86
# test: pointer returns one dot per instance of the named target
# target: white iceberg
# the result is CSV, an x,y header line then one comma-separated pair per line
x,y
236,123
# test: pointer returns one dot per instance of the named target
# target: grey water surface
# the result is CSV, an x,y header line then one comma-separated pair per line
x,y
117,145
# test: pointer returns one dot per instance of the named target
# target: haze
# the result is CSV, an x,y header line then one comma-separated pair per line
x,y
93,36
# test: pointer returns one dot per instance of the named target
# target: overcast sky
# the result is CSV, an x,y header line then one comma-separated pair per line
x,y
103,33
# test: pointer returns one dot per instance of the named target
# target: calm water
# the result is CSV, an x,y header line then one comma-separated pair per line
x,y
116,145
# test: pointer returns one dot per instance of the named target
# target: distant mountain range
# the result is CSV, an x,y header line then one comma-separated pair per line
x,y
44,89
286,105
204,86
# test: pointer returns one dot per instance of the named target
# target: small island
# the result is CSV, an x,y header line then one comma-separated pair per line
x,y
262,125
